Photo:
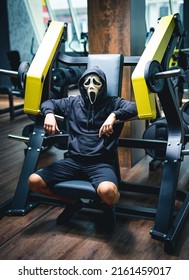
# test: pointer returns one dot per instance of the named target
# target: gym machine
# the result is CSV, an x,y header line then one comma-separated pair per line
x,y
16,88
150,76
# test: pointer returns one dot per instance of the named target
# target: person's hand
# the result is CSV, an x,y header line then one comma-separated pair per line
x,y
107,126
50,124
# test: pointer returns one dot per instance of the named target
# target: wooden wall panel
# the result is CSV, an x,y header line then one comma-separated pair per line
x,y
110,31
109,26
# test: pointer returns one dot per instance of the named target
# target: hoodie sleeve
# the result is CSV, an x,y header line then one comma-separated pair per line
x,y
55,106
125,109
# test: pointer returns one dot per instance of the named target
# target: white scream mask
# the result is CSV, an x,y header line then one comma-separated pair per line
x,y
92,85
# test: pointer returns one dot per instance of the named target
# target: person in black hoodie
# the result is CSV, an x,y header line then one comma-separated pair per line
x,y
92,143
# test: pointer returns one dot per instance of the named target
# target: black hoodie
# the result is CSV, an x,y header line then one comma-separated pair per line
x,y
85,119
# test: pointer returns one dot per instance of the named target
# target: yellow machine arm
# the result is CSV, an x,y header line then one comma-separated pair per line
x,y
42,61
154,50
39,67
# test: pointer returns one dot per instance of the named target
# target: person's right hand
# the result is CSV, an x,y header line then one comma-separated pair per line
x,y
50,124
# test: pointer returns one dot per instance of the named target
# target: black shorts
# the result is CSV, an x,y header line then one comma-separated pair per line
x,y
95,171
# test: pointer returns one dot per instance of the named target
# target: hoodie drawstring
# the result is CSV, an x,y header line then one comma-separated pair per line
x,y
90,116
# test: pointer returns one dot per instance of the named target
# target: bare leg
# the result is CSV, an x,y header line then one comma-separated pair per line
x,y
36,184
109,194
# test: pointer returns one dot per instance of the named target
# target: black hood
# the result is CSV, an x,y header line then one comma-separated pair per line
x,y
102,93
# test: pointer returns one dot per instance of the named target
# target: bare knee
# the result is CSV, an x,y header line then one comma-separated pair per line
x,y
108,192
36,183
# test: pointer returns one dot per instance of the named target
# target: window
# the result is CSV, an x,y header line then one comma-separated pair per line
x,y
156,9
74,13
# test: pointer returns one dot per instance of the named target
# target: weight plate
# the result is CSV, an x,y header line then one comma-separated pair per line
x,y
185,112
22,70
65,76
151,68
60,77
157,131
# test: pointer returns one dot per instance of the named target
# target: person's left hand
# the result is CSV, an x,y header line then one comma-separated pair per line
x,y
107,126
